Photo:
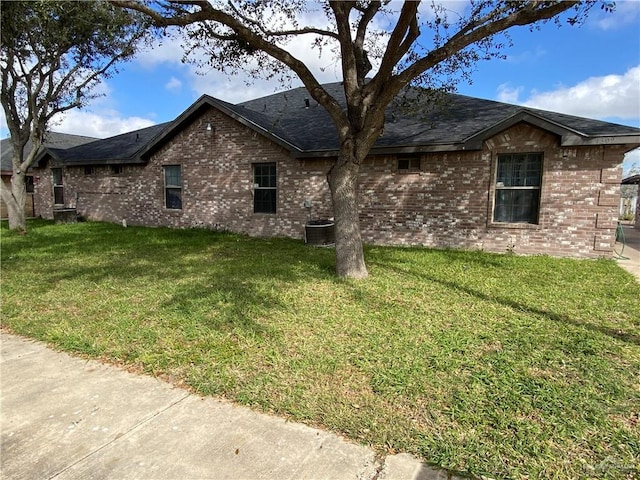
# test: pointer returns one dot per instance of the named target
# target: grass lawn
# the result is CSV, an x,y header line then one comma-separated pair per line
x,y
500,365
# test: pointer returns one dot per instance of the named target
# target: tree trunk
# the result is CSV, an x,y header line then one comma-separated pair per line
x,y
15,198
343,183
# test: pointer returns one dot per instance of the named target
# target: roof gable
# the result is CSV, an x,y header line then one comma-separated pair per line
x,y
250,119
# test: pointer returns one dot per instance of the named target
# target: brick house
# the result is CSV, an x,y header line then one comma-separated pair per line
x,y
52,140
475,174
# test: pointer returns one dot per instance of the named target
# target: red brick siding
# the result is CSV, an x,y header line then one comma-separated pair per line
x,y
448,203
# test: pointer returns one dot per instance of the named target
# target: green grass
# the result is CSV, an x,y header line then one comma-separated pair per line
x,y
500,365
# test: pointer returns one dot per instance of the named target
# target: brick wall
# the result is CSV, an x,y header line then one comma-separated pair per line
x,y
43,194
217,184
448,203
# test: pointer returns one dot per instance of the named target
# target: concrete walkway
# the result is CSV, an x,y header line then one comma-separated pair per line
x,y
67,418
629,257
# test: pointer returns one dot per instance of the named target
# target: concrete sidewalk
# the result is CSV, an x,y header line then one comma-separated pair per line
x,y
629,257
67,418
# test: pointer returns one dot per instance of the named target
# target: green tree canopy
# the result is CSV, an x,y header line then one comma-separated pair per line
x,y
53,54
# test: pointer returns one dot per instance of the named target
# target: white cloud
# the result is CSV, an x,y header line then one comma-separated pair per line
x,y
609,96
101,121
173,84
167,50
240,87
508,94
100,125
631,160
626,13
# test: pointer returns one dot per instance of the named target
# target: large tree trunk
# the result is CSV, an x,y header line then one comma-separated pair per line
x,y
343,183
15,197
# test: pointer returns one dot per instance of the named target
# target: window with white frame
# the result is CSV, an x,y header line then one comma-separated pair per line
x,y
518,180
264,188
173,187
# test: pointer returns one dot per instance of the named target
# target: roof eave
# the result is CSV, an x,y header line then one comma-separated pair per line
x,y
391,150
44,153
631,139
106,161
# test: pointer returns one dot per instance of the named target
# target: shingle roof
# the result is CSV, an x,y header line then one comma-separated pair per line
x,y
458,119
460,122
119,149
52,140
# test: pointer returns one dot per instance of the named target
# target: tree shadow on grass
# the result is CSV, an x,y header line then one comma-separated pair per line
x,y
617,334
226,280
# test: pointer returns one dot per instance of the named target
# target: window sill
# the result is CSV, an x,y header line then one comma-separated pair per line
x,y
515,226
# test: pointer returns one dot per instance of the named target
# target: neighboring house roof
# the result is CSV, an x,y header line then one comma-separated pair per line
x,y
632,180
52,140
305,129
120,149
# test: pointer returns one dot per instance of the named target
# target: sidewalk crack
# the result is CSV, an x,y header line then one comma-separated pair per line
x,y
120,435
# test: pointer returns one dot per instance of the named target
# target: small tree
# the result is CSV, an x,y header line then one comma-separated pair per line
x,y
52,55
253,35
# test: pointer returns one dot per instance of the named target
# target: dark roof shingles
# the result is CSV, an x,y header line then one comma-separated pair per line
x,y
456,119
310,128
121,148
54,140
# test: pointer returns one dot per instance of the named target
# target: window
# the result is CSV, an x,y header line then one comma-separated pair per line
x,y
58,189
116,169
89,170
264,188
29,185
173,187
518,179
408,163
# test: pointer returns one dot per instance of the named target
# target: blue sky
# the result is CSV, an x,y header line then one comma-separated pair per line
x,y
592,70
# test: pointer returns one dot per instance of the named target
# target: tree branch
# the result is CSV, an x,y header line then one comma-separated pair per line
x,y
460,40
397,46
208,13
283,33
